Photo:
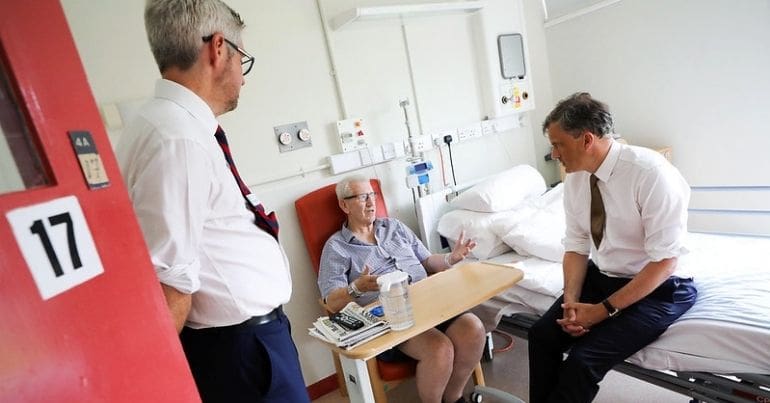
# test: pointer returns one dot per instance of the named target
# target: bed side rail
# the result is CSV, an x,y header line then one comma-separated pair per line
x,y
734,210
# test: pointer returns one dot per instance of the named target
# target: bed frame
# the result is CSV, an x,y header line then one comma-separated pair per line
x,y
701,386
743,214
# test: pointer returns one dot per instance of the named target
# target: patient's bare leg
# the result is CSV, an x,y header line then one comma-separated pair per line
x,y
435,354
468,336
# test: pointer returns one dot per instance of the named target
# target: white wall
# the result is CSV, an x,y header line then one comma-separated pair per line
x,y
291,82
541,67
692,74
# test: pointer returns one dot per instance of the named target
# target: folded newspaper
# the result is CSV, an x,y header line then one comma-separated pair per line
x,y
330,332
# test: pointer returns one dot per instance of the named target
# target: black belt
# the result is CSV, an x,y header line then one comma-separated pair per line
x,y
262,319
252,321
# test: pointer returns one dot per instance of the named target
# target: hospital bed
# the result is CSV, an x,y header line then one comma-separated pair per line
x,y
718,351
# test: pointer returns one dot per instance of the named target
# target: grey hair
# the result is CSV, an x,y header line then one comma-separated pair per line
x,y
175,29
579,113
343,186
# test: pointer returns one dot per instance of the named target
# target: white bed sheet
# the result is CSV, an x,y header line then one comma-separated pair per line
x,y
728,328
727,331
534,294
708,346
540,276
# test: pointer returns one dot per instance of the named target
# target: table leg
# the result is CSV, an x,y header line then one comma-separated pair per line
x,y
357,380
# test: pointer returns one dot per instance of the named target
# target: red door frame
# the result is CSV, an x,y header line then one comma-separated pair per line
x,y
110,338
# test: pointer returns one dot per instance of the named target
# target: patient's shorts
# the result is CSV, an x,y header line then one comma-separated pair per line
x,y
396,355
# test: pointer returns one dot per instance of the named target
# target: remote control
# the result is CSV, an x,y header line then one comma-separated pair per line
x,y
346,321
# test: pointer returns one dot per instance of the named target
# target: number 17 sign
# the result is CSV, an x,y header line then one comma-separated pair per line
x,y
57,244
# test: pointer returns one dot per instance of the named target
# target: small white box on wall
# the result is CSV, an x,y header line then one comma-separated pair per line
x,y
352,134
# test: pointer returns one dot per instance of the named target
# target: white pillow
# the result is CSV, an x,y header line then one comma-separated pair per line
x,y
503,191
539,233
509,219
477,227
531,205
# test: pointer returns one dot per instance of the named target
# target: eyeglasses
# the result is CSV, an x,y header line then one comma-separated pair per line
x,y
363,197
247,60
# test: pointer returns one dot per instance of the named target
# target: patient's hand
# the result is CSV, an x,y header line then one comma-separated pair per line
x,y
367,282
462,248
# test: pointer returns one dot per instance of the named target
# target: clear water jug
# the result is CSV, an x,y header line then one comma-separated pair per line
x,y
394,297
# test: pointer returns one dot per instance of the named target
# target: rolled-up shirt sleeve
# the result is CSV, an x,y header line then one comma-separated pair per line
x,y
170,200
664,196
576,237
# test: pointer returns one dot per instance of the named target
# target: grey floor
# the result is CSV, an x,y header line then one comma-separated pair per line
x,y
508,372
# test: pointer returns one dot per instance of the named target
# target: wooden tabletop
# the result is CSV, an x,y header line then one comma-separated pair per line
x,y
442,296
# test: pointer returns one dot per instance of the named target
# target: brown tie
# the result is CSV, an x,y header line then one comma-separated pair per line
x,y
598,216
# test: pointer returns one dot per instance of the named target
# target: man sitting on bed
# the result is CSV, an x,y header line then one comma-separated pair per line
x,y
626,206
366,247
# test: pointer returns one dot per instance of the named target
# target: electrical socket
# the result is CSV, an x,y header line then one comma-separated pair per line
x,y
475,130
469,132
421,143
463,134
439,141
488,127
438,136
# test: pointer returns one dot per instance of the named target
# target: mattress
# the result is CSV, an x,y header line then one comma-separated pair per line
x,y
726,331
534,294
728,328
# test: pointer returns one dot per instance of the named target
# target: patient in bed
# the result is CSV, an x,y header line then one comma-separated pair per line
x,y
367,247
626,208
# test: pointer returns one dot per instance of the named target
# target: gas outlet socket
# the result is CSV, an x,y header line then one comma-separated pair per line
x,y
285,138
304,135
292,136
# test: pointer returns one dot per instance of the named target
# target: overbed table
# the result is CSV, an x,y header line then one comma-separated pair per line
x,y
435,299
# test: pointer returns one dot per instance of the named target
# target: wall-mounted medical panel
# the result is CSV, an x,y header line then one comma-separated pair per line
x,y
503,59
352,134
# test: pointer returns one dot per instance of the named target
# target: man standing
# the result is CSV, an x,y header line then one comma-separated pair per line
x,y
214,249
626,207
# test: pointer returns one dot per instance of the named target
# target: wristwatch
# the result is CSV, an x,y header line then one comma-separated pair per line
x,y
353,291
611,310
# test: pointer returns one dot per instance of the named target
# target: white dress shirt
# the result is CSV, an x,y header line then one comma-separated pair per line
x,y
645,200
201,236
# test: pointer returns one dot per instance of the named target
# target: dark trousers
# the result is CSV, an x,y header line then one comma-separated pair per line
x,y
245,363
591,356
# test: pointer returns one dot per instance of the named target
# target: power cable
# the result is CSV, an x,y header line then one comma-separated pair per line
x,y
508,340
448,142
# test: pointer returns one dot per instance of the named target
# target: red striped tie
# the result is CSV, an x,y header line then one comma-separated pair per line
x,y
267,222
